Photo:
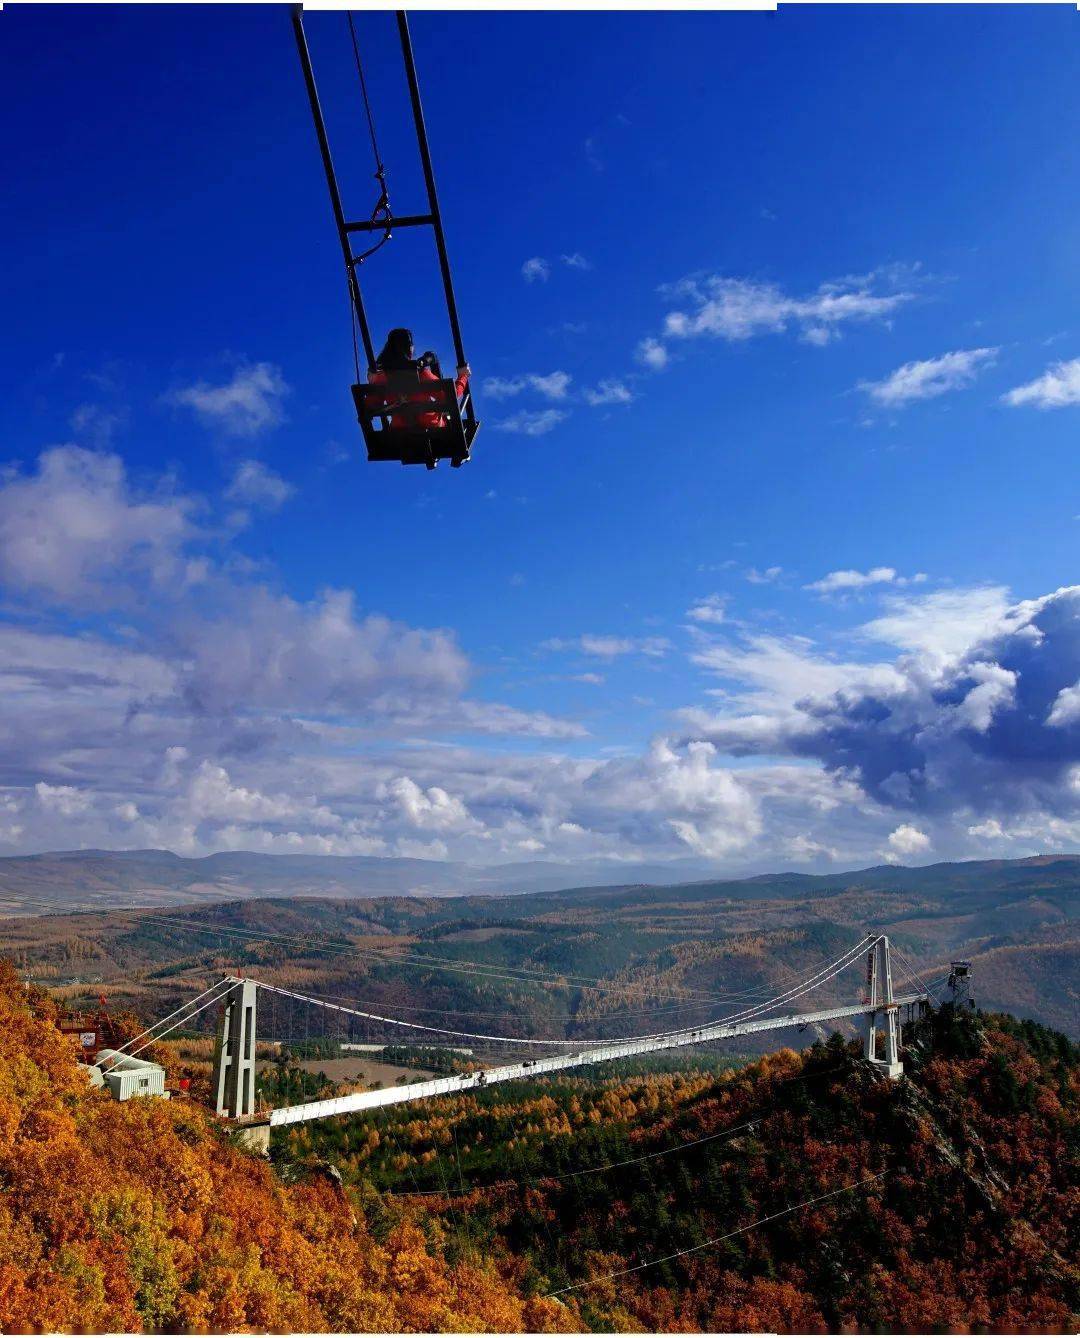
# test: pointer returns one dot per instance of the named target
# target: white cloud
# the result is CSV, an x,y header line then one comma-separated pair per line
x,y
254,484
431,809
531,423
775,673
652,354
990,830
930,377
962,726
66,800
1066,708
224,714
844,580
270,651
247,405
553,385
907,841
738,309
576,261
608,647
496,718
122,757
711,609
608,391
1058,386
97,424
536,268
212,794
76,529
942,624
765,577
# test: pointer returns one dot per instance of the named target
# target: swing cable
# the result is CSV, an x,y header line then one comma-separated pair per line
x,y
381,213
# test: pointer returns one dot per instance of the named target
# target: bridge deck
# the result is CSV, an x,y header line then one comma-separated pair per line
x,y
533,1068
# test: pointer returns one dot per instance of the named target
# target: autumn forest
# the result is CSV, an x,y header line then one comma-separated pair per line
x,y
947,1202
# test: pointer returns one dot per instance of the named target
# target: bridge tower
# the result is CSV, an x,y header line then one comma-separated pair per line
x,y
879,992
234,1063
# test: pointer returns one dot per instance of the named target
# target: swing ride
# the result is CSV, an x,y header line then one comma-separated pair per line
x,y
410,413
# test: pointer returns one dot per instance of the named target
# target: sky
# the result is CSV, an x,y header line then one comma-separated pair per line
x,y
765,555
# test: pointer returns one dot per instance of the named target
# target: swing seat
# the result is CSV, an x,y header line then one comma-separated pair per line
x,y
390,418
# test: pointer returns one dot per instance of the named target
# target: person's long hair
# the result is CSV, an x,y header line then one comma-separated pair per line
x,y
396,355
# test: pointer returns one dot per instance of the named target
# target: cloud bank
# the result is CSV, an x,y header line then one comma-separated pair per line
x,y
160,692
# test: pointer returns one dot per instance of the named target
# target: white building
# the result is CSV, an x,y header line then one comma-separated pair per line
x,y
126,1076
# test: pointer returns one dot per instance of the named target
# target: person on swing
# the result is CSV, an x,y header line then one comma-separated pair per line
x,y
397,356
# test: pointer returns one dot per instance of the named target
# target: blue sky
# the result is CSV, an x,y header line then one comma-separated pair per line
x,y
773,325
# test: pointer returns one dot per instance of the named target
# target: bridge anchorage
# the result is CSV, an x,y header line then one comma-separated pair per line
x,y
234,1065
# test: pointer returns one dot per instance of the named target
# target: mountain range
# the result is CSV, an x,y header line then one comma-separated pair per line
x,y
118,878
530,955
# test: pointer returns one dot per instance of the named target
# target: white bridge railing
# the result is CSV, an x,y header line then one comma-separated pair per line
x,y
535,1068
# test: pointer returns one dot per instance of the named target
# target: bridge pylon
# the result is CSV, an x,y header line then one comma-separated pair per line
x,y
234,1061
885,1011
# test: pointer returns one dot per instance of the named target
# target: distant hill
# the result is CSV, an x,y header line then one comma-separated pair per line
x,y
115,878
586,960
30,884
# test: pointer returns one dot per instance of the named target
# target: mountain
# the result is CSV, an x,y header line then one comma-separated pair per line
x,y
116,878
800,1193
587,960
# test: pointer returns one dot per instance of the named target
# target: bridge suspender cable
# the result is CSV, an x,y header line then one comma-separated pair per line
x,y
182,1009
912,974
819,978
717,1240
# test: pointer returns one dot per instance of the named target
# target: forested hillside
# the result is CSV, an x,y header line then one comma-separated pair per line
x,y
965,1214
119,1217
578,962
952,1198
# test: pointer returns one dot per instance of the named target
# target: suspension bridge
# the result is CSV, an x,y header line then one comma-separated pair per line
x,y
237,998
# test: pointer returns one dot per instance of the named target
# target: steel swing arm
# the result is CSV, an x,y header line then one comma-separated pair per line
x,y
346,228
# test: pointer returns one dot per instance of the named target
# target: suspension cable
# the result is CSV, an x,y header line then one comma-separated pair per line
x,y
912,973
523,975
223,986
182,1009
179,1023
819,978
363,89
462,966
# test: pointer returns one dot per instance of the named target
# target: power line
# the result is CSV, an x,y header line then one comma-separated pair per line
x,y
465,966
633,1161
717,1240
